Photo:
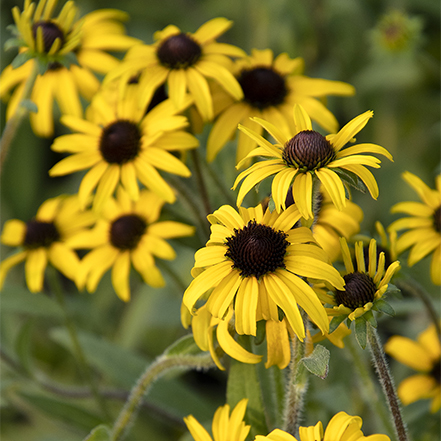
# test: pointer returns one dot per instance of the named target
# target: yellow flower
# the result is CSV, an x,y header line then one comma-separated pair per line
x,y
271,86
255,261
342,427
45,239
62,41
423,356
127,232
120,144
185,61
424,225
225,427
363,287
330,224
297,159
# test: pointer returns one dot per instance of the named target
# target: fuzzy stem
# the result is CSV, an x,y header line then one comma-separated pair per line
x,y
297,386
386,382
201,182
373,399
78,351
158,368
15,121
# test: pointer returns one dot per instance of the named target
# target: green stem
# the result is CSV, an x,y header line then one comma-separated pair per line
x,y
79,354
297,386
415,289
15,121
386,382
374,401
200,181
162,365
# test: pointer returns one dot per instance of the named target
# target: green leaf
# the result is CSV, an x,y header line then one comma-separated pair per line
x,y
335,322
369,317
23,344
100,433
29,105
351,179
184,346
21,59
384,307
392,289
11,43
68,59
360,331
12,28
56,409
18,299
243,382
318,362
42,65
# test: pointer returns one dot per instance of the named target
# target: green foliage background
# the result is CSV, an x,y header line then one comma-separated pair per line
x,y
336,39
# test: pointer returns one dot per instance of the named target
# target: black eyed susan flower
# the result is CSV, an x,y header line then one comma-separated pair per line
x,y
365,284
224,427
341,427
330,224
45,239
255,261
297,160
185,62
57,44
424,225
127,233
423,356
271,86
121,145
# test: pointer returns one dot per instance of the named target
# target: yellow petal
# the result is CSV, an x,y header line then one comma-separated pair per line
x,y
14,232
36,262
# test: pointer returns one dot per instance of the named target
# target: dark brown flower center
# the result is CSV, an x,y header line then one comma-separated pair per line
x,y
50,33
437,219
120,142
359,290
263,87
126,231
436,372
308,150
40,234
257,249
158,97
179,51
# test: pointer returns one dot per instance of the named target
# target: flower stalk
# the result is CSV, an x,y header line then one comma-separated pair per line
x,y
15,121
386,382
158,368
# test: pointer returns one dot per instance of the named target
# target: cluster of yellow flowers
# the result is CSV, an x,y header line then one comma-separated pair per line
x,y
259,264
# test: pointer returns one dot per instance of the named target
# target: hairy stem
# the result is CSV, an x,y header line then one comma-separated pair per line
x,y
386,382
158,368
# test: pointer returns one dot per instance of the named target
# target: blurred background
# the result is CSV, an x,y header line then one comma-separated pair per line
x,y
389,50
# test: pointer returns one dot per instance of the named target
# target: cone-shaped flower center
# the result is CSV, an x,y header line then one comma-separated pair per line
x,y
257,249
308,150
40,234
120,142
436,372
179,51
126,231
50,33
437,219
359,290
262,87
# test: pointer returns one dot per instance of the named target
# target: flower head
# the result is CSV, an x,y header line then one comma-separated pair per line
x,y
127,233
223,424
255,262
341,427
45,239
271,86
299,158
68,51
121,145
423,225
184,61
423,356
365,284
